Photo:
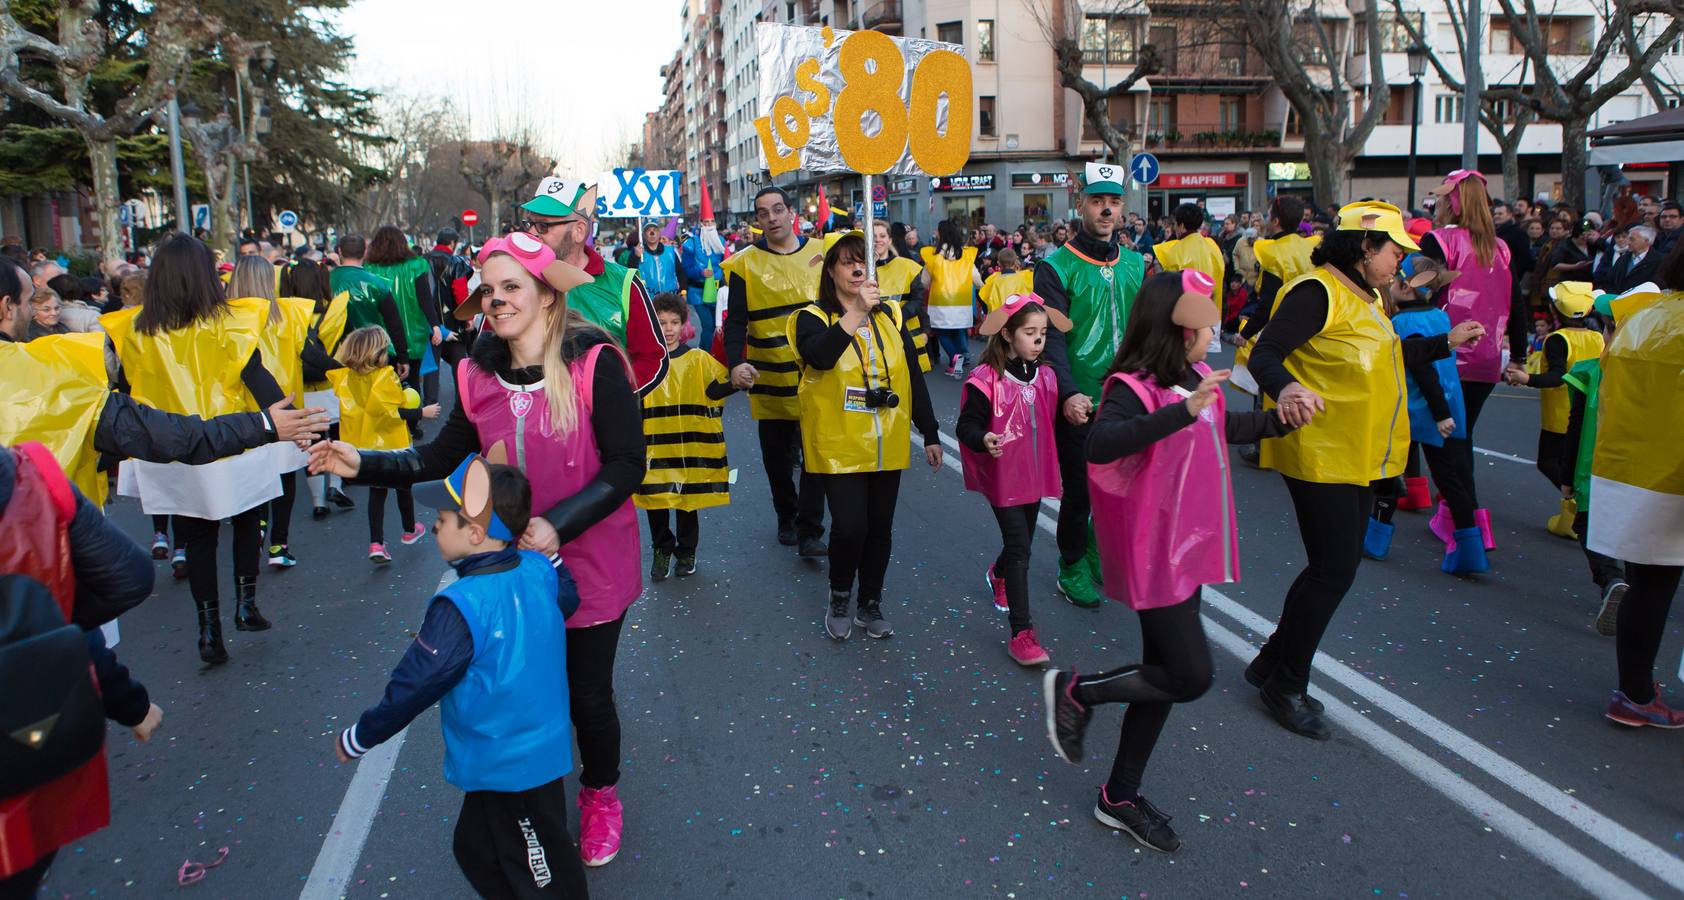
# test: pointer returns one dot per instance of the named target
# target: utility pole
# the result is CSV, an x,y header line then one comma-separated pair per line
x,y
1473,81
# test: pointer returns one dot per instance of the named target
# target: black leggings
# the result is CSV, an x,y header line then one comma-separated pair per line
x,y
661,536
1549,457
1453,481
377,512
199,536
1474,395
862,521
590,693
1604,570
1073,507
1331,521
780,445
1017,532
1641,625
280,510
1175,668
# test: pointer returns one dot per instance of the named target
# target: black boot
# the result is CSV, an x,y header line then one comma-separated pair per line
x,y
247,617
210,633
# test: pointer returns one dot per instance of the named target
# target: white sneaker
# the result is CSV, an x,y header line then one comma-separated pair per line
x,y
958,368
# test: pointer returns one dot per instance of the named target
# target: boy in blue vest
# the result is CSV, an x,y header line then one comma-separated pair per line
x,y
492,653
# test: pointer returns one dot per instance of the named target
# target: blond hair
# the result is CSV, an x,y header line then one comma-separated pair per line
x,y
132,288
254,276
364,350
1475,216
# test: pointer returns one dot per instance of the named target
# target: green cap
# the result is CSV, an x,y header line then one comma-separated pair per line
x,y
1102,178
560,197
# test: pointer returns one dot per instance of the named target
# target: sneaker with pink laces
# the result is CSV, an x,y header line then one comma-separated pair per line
x,y
1621,709
600,819
998,586
410,537
377,554
1026,648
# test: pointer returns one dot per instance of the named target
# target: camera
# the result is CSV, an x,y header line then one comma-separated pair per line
x,y
880,397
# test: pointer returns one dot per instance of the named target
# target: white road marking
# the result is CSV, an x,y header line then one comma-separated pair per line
x,y
330,876
1519,828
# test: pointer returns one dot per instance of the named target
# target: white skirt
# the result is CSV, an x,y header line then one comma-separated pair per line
x,y
327,400
214,490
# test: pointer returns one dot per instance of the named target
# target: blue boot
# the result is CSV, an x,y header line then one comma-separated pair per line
x,y
1378,541
1467,557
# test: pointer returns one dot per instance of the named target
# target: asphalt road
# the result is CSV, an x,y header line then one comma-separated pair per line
x,y
763,760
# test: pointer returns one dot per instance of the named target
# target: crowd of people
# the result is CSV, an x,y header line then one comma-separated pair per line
x,y
1369,338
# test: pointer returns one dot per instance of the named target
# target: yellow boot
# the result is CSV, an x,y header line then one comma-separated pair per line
x,y
1561,524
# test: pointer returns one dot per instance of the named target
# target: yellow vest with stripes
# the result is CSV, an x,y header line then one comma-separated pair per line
x,y
1554,403
778,286
193,371
1355,364
685,435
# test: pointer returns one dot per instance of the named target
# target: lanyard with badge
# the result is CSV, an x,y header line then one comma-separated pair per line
x,y
868,398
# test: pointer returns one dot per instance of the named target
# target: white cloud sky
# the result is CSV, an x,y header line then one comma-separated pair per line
x,y
582,72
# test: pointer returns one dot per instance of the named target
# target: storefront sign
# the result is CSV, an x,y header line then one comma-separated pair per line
x,y
1040,179
1201,180
962,183
1289,171
904,186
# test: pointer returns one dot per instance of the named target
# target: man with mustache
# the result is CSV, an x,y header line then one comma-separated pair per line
x,y
1092,281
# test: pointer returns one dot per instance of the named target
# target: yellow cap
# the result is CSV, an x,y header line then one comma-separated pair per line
x,y
1573,298
1372,215
832,237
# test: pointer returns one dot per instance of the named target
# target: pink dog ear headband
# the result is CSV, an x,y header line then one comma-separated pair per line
x,y
535,257
1197,306
1448,188
996,320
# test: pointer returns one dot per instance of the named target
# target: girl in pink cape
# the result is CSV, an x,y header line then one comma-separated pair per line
x,y
1164,518
1005,435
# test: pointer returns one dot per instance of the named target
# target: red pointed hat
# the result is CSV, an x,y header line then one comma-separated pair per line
x,y
707,204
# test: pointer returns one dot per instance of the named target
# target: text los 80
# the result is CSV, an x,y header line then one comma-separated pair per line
x,y
940,73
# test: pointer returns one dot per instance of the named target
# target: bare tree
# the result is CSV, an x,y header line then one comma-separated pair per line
x,y
410,190
1060,22
502,168
1571,97
173,28
1505,120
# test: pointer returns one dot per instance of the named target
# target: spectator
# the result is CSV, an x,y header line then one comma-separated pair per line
x,y
250,246
1642,263
1612,257
42,271
45,309
1669,227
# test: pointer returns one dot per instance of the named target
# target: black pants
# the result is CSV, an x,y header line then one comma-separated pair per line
x,y
1474,395
862,521
1073,508
1640,626
590,691
780,444
1331,524
1604,570
1452,470
280,510
377,512
517,844
660,533
1017,532
1412,462
1549,456
1175,666
161,525
199,536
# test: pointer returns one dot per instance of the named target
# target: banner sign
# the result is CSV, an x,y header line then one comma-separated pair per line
x,y
962,183
630,193
861,101
1040,179
1202,180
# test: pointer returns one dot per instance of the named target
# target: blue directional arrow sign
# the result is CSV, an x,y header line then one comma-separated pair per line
x,y
1144,168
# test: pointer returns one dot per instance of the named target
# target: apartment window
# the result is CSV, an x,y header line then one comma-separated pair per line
x,y
1557,36
1394,32
1160,117
1231,113
1310,44
985,116
1162,37
1108,40
951,32
1230,59
1447,109
985,40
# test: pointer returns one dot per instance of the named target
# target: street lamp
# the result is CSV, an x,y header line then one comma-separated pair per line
x,y
1417,54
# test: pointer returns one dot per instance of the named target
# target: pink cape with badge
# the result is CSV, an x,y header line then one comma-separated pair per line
x,y
1481,294
1027,469
1164,517
605,560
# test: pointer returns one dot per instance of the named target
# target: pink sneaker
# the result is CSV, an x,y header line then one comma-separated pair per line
x,y
600,819
998,586
377,554
1655,713
1026,649
410,537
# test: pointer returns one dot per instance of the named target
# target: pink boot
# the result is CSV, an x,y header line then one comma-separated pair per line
x,y
1482,518
1443,526
600,819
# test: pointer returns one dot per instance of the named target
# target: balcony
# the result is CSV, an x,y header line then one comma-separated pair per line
x,y
885,16
1209,137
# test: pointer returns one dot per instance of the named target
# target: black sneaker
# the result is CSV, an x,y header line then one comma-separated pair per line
x,y
836,621
1250,454
1139,820
1067,720
786,534
1255,677
339,499
870,617
812,548
318,513
686,565
1610,614
661,566
1294,714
